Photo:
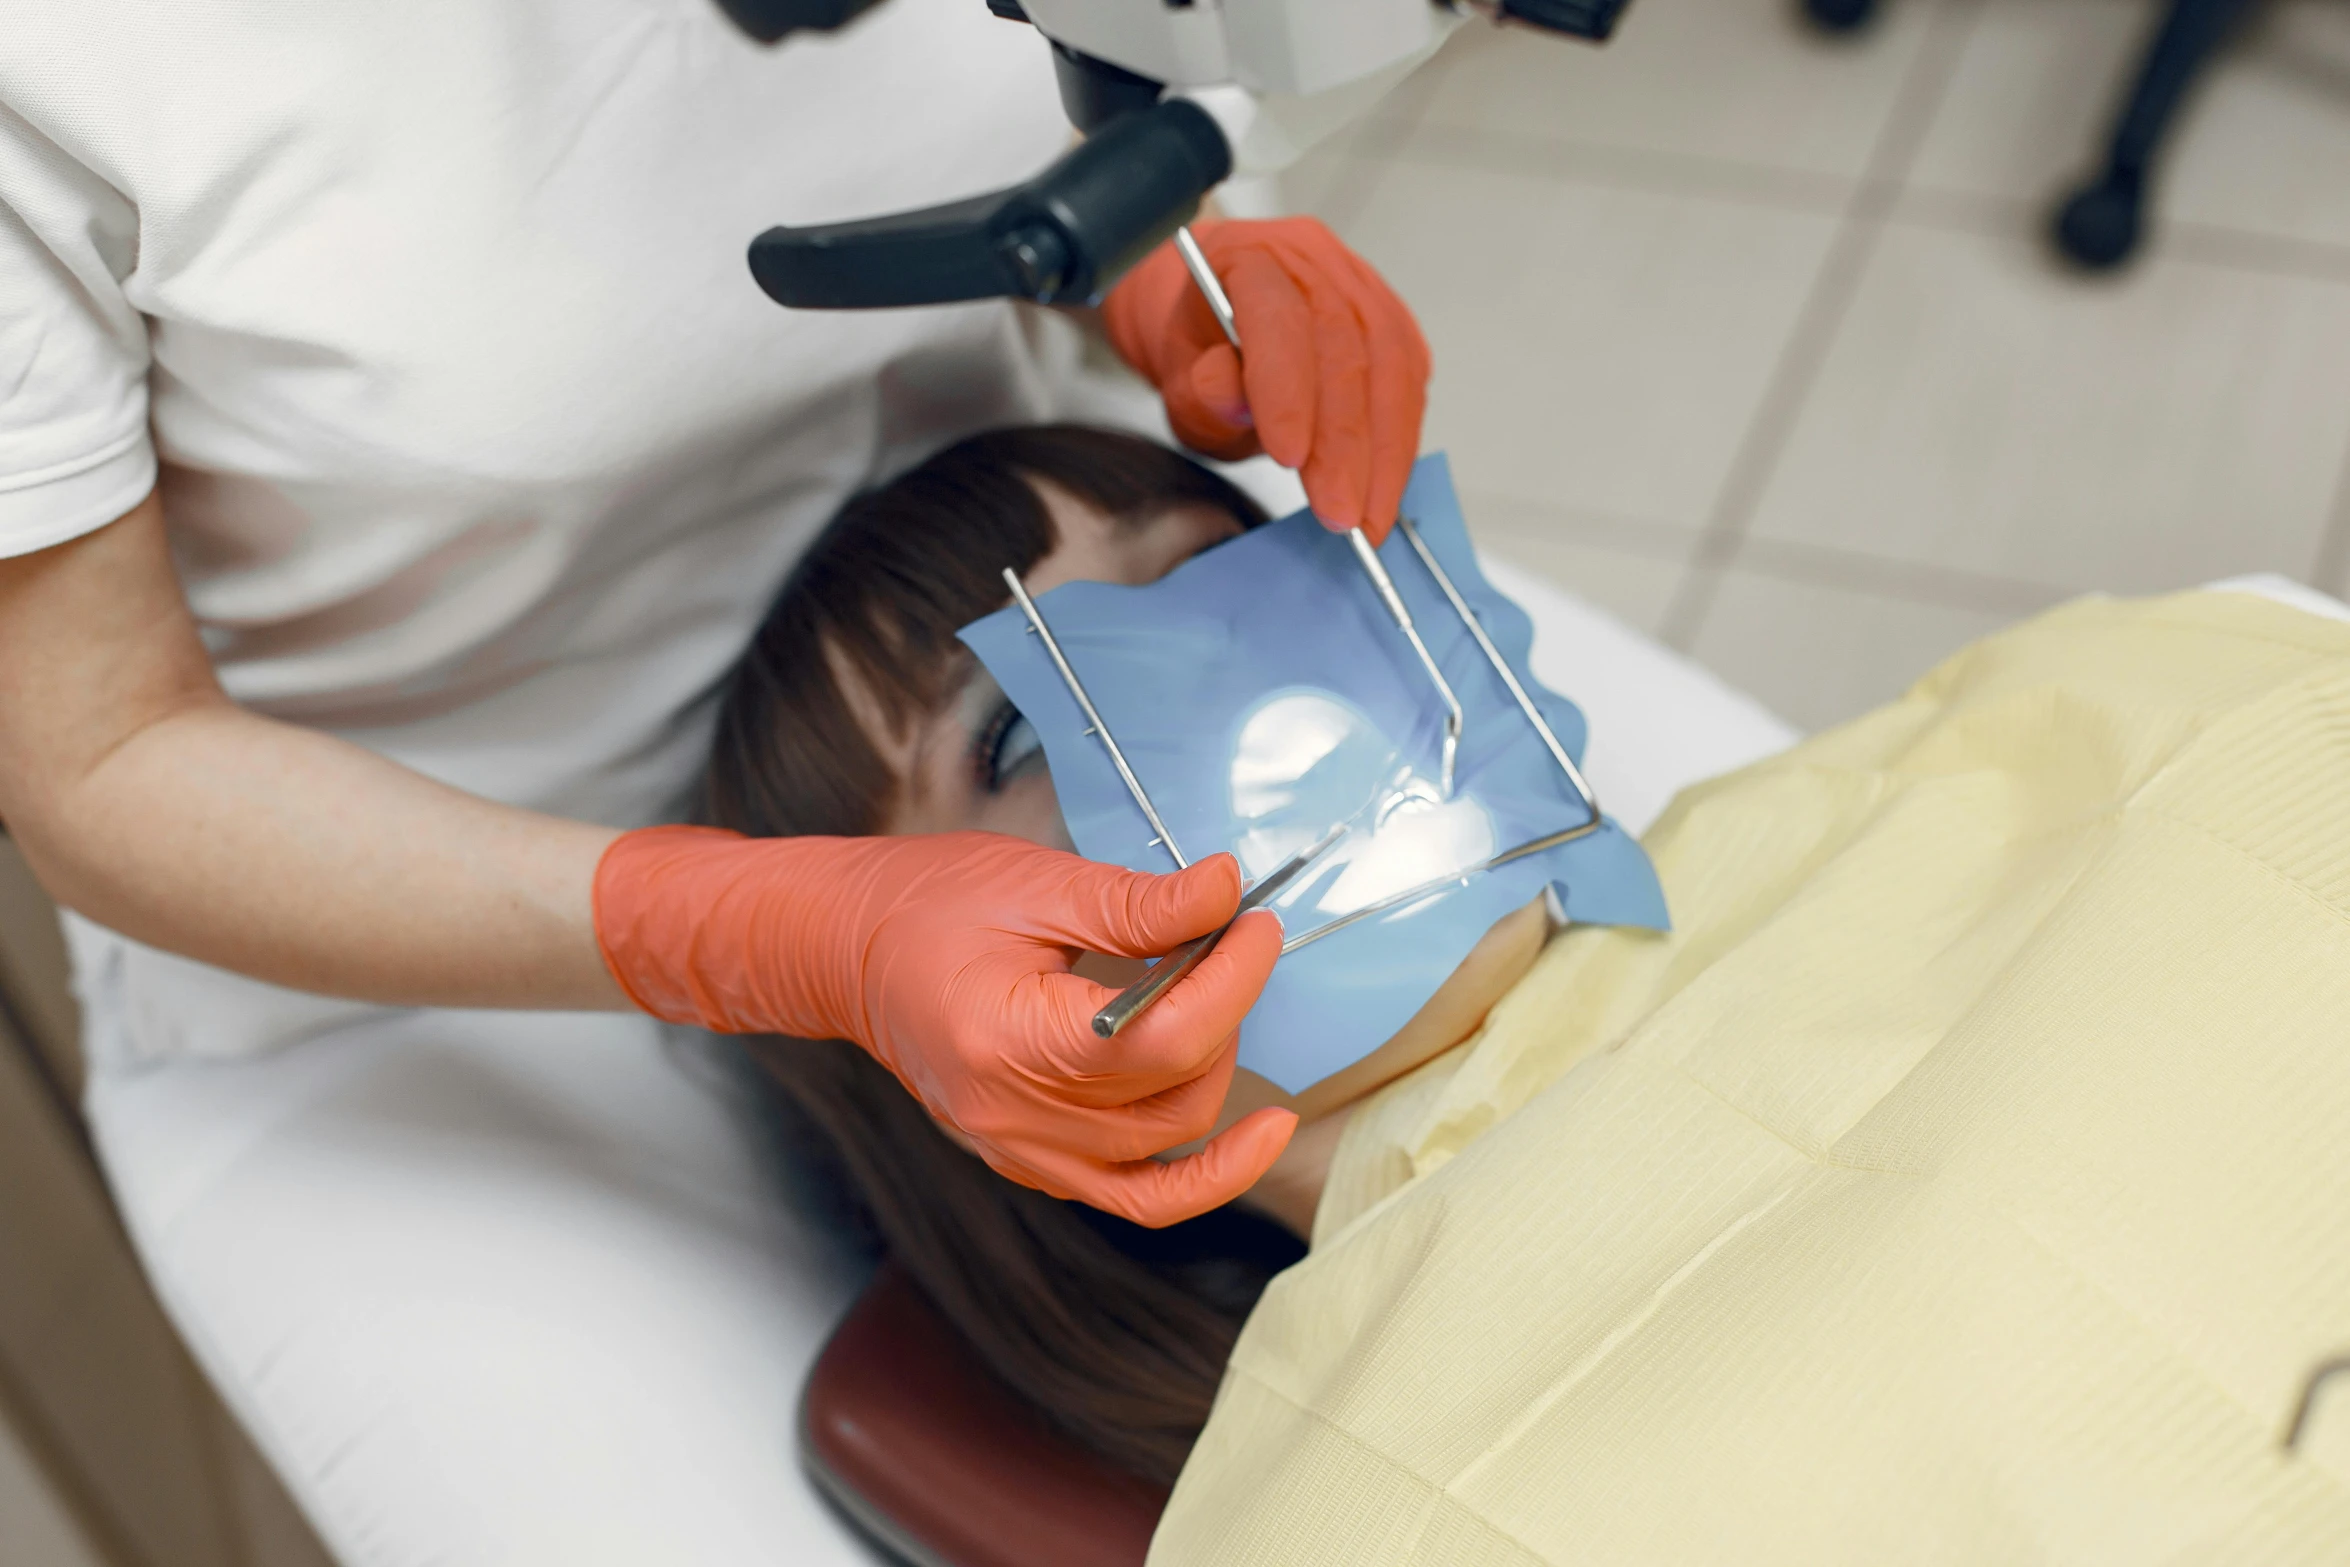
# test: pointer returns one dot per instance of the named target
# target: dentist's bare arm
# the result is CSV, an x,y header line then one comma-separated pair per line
x,y
148,801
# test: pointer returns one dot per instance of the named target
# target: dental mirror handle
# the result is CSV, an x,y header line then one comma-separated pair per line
x,y
1135,999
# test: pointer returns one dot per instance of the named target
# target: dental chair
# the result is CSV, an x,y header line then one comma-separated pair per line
x,y
547,1302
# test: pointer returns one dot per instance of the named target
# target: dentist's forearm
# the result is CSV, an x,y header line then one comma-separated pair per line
x,y
309,862
147,801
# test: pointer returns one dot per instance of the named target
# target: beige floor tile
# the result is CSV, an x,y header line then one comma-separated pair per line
x,y
2264,147
1597,350
1984,413
1819,655
2030,93
1629,571
1741,81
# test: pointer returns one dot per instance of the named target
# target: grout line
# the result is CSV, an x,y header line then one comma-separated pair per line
x,y
1824,308
2214,246
1963,212
1700,177
2017,218
1818,565
1620,531
1825,566
1628,168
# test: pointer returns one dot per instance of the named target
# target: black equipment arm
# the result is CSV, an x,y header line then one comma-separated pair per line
x,y
1065,235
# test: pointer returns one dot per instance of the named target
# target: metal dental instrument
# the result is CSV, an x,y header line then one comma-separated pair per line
x,y
1550,741
1195,261
1456,878
1220,304
1100,729
1454,719
1093,719
1161,976
1460,606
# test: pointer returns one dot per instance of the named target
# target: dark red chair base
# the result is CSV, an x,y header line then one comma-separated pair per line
x,y
942,1465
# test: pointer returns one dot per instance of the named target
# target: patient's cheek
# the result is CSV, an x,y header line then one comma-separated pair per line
x,y
1026,808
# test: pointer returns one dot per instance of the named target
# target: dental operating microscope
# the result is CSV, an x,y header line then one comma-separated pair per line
x,y
1173,97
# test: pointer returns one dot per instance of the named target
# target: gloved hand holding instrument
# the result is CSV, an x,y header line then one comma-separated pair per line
x,y
1335,380
947,957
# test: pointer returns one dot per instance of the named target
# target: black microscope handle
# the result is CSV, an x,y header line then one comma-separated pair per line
x,y
772,20
1067,234
1591,19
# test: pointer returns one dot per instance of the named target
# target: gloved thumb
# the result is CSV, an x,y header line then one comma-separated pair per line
x,y
1180,1036
1131,914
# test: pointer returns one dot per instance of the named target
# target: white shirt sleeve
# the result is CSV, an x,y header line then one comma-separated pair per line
x,y
75,452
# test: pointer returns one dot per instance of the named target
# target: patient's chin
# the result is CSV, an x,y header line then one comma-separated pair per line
x,y
1491,970
1457,1010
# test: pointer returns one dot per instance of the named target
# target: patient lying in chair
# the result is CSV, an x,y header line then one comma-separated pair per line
x,y
1961,1178
857,711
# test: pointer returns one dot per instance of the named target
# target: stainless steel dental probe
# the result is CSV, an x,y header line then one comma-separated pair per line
x,y
1160,977
1211,287
1093,719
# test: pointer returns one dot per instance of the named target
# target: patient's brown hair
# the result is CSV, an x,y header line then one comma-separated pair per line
x,y
884,590
1117,1334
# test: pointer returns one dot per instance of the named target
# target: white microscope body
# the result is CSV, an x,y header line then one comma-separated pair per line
x,y
1277,75
1174,96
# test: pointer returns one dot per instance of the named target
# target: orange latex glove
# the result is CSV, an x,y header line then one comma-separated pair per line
x,y
947,957
1332,376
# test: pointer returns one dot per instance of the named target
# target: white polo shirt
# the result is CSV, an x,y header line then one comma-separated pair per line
x,y
477,442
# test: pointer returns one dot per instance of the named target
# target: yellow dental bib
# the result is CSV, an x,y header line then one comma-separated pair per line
x,y
1966,1179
